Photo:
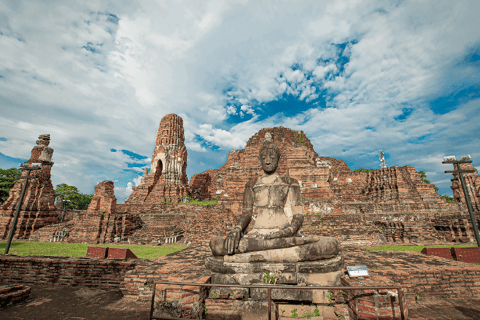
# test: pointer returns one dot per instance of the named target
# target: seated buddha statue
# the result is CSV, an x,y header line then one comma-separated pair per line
x,y
275,204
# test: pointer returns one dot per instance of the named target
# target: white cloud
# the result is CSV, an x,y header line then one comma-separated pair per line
x,y
219,137
210,60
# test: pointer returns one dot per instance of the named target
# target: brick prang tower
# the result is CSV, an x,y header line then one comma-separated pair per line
x,y
167,179
38,207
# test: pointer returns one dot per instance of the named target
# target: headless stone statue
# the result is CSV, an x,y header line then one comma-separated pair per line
x,y
275,202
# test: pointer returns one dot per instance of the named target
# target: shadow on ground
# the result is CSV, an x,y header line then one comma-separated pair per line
x,y
79,303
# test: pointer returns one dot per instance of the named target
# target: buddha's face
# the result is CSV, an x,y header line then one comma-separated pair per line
x,y
269,160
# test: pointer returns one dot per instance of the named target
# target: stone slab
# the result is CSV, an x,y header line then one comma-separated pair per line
x,y
326,248
321,266
216,292
252,273
259,294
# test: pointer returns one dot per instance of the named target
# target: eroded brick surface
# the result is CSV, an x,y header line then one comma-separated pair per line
x,y
37,209
472,181
103,200
167,179
328,185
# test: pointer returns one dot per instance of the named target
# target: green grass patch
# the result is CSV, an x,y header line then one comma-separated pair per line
x,y
411,248
202,203
60,249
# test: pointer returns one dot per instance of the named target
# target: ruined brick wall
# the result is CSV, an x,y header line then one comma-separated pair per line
x,y
102,227
37,209
104,198
66,271
326,182
472,182
209,223
199,223
421,226
167,179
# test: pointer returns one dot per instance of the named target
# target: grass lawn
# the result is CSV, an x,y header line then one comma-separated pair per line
x,y
412,248
80,250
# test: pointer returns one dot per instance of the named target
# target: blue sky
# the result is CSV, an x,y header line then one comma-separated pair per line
x,y
356,76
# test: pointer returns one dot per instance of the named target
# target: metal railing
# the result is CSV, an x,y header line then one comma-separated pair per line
x,y
269,287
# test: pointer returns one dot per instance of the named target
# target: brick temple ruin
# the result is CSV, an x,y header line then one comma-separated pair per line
x,y
37,209
388,205
167,179
385,205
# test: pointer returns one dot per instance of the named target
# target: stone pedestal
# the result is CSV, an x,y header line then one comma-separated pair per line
x,y
326,272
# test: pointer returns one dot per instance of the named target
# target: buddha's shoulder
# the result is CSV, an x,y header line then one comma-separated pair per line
x,y
289,180
251,183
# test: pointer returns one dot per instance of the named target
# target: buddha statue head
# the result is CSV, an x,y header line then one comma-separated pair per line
x,y
269,155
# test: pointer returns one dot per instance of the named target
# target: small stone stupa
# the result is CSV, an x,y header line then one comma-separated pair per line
x,y
275,244
167,179
38,207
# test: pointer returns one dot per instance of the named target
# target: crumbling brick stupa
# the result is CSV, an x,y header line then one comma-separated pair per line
x,y
37,209
327,184
472,183
100,223
167,179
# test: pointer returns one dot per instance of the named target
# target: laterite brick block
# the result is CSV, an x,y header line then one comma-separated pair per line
x,y
438,252
97,252
467,254
119,253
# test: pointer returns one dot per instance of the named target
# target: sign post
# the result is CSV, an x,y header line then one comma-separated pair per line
x,y
465,159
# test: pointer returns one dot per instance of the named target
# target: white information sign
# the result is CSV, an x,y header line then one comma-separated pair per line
x,y
357,271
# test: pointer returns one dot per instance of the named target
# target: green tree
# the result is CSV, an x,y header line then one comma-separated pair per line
x,y
363,170
78,201
8,178
424,176
449,199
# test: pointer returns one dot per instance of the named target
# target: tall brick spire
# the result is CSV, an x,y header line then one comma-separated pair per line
x,y
167,179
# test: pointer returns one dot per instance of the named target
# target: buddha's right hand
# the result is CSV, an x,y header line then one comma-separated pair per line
x,y
232,240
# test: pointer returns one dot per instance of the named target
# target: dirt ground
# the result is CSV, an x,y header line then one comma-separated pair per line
x,y
82,303
439,308
76,303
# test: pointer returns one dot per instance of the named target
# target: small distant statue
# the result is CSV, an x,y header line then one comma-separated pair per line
x,y
59,203
382,159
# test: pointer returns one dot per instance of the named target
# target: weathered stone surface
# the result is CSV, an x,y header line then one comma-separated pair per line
x,y
237,309
324,248
281,294
217,264
37,209
167,179
215,292
253,244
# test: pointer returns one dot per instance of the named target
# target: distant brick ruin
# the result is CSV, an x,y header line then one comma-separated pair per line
x,y
100,223
167,179
38,207
390,204
472,182
327,184
103,200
